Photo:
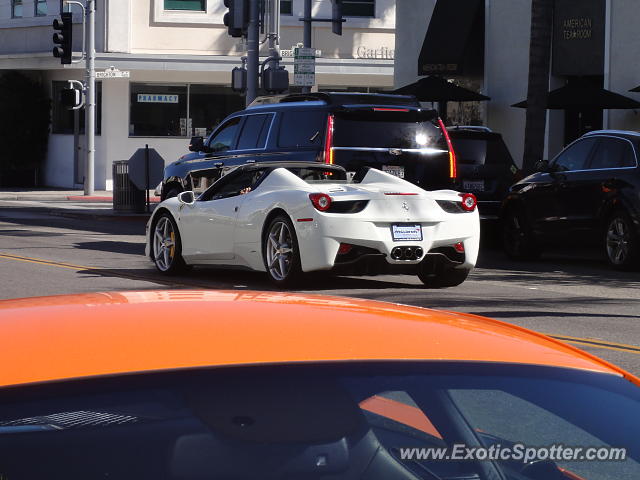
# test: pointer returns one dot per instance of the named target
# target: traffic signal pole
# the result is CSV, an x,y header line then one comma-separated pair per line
x,y
253,54
306,39
90,109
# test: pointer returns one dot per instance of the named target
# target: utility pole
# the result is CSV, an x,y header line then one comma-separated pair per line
x,y
306,39
90,111
253,54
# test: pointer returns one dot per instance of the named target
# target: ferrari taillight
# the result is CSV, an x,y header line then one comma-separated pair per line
x,y
452,154
321,201
469,201
328,141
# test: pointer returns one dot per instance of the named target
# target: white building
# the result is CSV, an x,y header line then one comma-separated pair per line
x,y
596,40
181,50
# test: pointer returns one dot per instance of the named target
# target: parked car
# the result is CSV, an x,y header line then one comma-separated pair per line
x,y
588,194
388,132
243,385
485,167
286,218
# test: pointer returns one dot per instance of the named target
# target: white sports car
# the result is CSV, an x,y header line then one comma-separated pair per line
x,y
286,218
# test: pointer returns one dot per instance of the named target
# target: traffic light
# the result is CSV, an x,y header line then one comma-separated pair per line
x,y
237,18
71,98
63,38
336,17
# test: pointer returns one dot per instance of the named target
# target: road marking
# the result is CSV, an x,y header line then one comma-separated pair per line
x,y
100,271
589,342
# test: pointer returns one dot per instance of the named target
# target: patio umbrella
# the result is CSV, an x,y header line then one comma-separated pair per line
x,y
437,89
584,96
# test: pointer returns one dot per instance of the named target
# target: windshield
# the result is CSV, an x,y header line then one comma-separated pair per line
x,y
361,421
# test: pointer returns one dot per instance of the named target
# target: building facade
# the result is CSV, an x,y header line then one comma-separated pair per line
x,y
180,57
593,40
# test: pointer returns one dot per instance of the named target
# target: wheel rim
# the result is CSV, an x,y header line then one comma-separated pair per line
x,y
515,234
279,250
618,241
164,244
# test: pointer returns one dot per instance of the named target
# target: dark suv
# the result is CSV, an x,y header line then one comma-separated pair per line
x,y
589,193
388,132
485,167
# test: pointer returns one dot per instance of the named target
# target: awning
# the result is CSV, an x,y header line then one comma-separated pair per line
x,y
438,89
454,43
584,96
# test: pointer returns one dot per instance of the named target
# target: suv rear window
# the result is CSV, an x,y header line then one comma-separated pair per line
x,y
386,130
481,151
302,129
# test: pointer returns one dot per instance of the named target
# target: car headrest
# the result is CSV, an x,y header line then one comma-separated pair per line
x,y
278,410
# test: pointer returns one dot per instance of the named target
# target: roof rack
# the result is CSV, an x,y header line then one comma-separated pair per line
x,y
339,98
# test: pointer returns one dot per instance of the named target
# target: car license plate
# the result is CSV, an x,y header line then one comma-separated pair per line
x,y
406,232
395,170
473,185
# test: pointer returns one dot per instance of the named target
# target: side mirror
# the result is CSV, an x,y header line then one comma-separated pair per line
x,y
187,198
196,144
542,166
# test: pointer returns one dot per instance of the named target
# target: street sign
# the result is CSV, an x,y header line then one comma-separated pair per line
x,y
304,66
113,72
138,170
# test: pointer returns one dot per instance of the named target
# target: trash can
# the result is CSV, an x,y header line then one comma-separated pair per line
x,y
126,196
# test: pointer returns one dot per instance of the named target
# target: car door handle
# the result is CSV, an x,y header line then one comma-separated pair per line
x,y
235,209
218,164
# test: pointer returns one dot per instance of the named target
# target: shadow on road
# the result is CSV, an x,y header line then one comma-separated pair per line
x,y
131,248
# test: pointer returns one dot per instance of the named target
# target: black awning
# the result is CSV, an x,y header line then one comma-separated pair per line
x,y
454,43
437,89
583,97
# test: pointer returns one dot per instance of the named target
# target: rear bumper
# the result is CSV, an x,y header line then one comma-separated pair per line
x,y
377,264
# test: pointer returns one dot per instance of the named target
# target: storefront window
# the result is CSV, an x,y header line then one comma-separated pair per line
x,y
286,7
158,110
184,5
41,8
359,8
209,105
16,8
62,118
179,110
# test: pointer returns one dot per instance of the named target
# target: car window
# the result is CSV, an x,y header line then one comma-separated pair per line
x,y
470,151
254,131
224,138
613,153
234,184
575,156
302,129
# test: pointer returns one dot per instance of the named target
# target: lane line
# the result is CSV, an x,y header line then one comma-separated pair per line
x,y
589,342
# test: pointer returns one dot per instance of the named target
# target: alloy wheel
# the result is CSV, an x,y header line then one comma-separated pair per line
x,y
618,241
279,251
164,244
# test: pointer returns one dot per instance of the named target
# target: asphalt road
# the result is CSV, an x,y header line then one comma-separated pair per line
x,y
572,295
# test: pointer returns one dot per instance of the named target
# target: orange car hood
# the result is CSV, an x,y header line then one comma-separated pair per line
x,y
73,336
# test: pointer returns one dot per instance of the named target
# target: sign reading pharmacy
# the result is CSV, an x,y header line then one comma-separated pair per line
x,y
154,98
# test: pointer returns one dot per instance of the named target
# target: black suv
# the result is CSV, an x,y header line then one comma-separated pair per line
x,y
485,167
589,193
354,130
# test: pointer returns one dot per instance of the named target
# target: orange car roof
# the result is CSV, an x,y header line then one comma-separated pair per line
x,y
74,336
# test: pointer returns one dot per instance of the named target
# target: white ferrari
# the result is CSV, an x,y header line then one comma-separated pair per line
x,y
287,218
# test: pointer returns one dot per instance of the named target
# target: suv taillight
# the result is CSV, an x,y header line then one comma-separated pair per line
x,y
328,141
452,154
321,201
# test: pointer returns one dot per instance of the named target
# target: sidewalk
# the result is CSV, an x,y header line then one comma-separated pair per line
x,y
71,203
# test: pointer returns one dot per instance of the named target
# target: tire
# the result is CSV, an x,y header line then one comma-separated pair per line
x,y
281,253
518,240
621,242
166,246
443,278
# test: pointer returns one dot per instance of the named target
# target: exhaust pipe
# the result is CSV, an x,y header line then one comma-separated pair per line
x,y
407,253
